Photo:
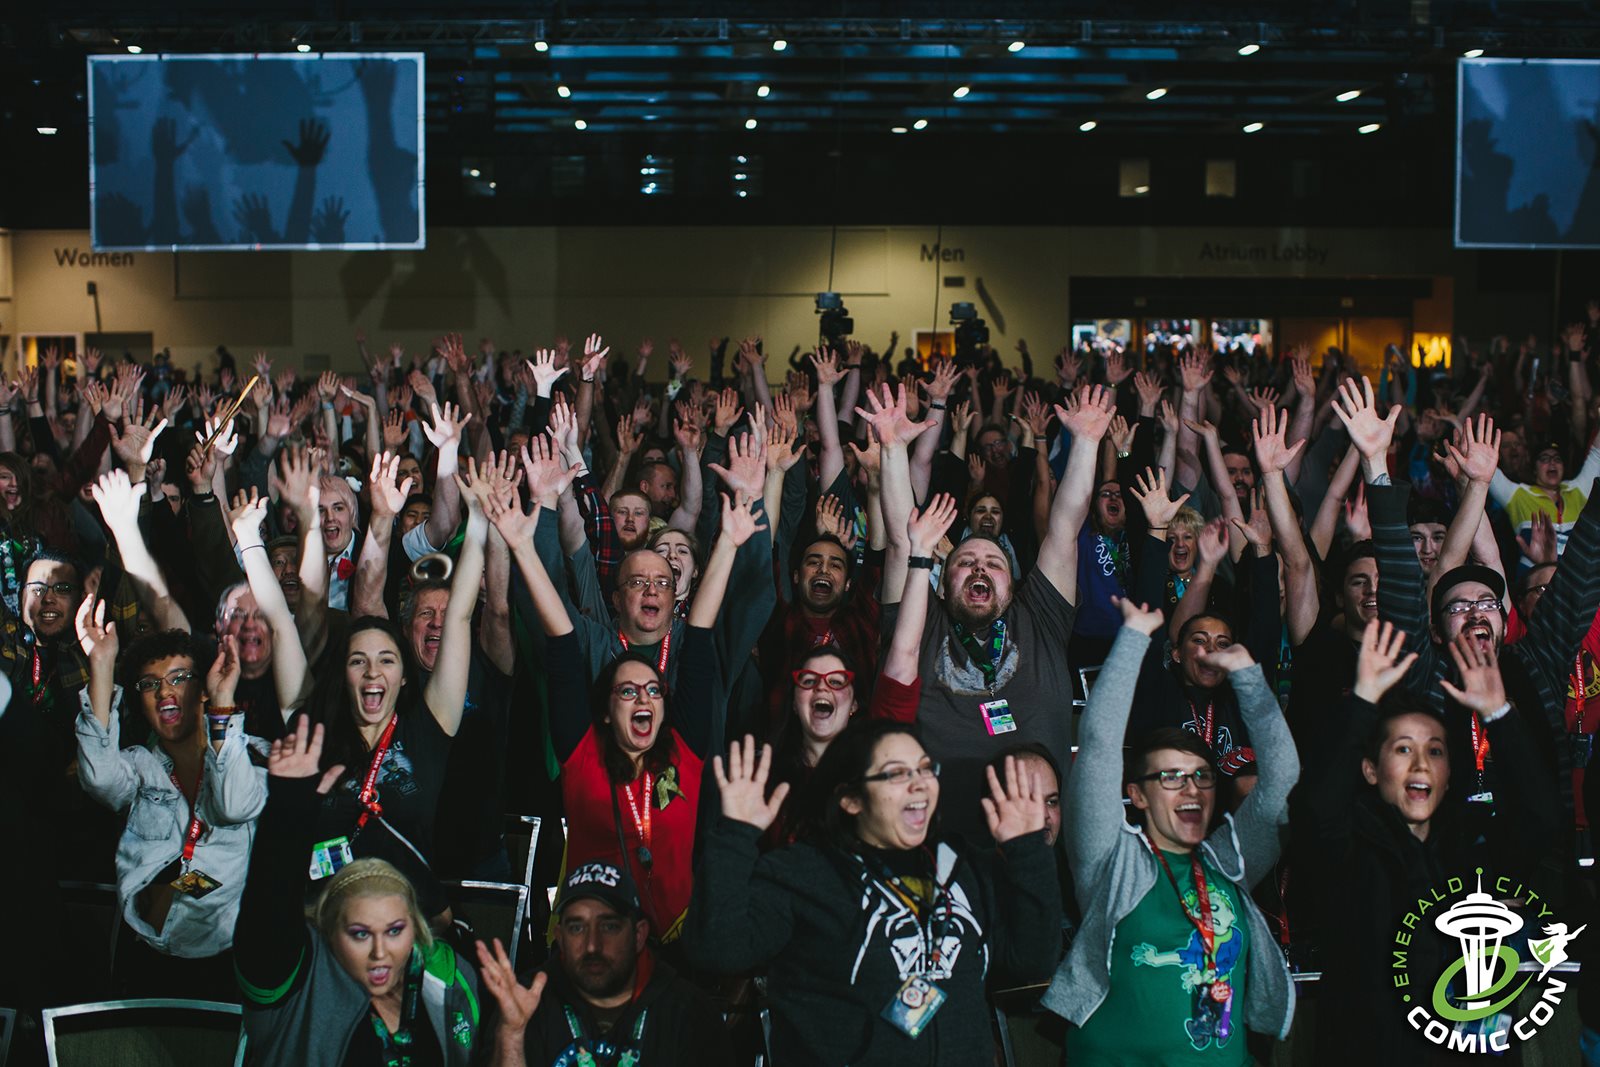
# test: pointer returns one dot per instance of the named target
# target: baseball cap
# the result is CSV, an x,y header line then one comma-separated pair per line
x,y
605,882
1471,572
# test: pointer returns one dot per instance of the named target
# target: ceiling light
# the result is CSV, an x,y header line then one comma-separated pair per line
x,y
1348,95
1253,127
961,91
749,124
779,45
563,92
1371,127
1471,53
579,124
541,46
898,129
1140,190
920,124
474,173
1016,46
134,49
1155,94
302,48
742,192
1249,49
1085,127
740,159
47,131
491,185
763,91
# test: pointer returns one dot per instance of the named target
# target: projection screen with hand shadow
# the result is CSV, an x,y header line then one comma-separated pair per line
x,y
244,152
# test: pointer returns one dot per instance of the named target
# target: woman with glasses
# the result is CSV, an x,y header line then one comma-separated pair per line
x,y
1172,959
878,935
192,796
630,763
823,698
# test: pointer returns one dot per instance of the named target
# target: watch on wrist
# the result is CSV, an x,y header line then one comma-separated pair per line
x,y
923,563
936,405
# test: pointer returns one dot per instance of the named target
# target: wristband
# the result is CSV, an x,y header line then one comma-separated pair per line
x,y
1123,455
1496,714
922,563
221,711
246,548
936,405
1153,529
203,497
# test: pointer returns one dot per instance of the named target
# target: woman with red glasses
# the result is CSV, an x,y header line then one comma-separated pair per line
x,y
823,697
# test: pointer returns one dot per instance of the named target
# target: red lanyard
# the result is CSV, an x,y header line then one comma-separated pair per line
x,y
826,640
1480,743
196,827
661,661
368,797
640,823
1210,729
1202,922
39,692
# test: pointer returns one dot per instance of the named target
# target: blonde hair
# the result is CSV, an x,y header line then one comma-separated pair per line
x,y
366,878
1189,519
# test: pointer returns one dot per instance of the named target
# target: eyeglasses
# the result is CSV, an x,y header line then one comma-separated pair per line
x,y
174,679
1109,494
1204,778
904,775
631,690
835,680
1483,604
639,581
239,615
58,588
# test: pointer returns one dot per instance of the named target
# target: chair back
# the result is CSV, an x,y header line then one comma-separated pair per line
x,y
491,909
145,1033
8,1026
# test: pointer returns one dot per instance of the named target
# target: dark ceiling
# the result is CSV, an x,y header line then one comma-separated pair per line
x,y
893,112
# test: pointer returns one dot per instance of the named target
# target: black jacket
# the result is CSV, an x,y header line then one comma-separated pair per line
x,y
838,944
681,1025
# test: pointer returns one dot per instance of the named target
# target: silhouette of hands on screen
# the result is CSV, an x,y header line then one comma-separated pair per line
x,y
164,144
327,225
251,212
313,143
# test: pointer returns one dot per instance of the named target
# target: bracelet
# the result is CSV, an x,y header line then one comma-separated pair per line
x,y
203,497
923,563
246,548
1153,529
1496,714
1124,455
936,405
221,711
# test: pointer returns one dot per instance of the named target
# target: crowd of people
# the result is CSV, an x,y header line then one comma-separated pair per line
x,y
866,692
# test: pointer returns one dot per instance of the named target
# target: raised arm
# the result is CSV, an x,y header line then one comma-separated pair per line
x,y
119,506
1086,417
446,693
517,527
1326,524
1195,375
1274,456
739,523
1212,545
924,532
289,673
444,432
886,413
831,459
691,487
1475,455
937,391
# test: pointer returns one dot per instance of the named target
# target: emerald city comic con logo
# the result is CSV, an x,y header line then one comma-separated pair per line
x,y
1468,1007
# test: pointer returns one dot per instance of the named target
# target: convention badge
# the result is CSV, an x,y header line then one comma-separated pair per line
x,y
195,883
1582,749
327,857
914,1005
1485,797
667,788
997,717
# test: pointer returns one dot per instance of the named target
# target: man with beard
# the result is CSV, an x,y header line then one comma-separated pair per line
x,y
1469,600
994,665
607,998
1549,494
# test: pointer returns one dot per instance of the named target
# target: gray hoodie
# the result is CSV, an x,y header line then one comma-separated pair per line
x,y
1113,867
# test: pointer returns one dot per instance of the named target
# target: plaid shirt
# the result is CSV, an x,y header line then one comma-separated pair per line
x,y
600,529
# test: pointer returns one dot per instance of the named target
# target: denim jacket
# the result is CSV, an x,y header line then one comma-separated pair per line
x,y
138,780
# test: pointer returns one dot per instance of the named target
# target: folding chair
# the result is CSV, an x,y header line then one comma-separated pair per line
x,y
491,909
522,844
8,1026
145,1033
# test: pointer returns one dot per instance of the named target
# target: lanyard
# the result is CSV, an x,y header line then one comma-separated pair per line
x,y
40,692
661,661
1480,744
627,1057
397,1045
196,827
641,823
368,797
1202,922
985,654
932,932
826,640
1208,729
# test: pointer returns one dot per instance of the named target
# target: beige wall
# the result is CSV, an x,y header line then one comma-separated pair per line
x,y
522,286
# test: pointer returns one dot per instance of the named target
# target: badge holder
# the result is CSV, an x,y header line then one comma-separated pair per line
x,y
914,1006
195,883
997,717
328,857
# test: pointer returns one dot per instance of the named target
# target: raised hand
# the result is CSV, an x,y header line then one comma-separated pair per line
x,y
939,387
1265,399
739,522
545,371
976,467
927,527
869,457
1150,490
1233,658
1482,689
1304,383
728,412
1090,417
594,357
1539,546
299,755
747,467
1136,616
421,387
1269,430
1122,433
1015,808
1213,543
118,498
96,636
517,1002
1148,386
1258,528
222,679
547,480
1194,371
444,431
134,444
1379,664
831,519
394,429
829,372
887,415
1068,366
308,151
504,510
1202,428
781,454
1476,450
454,353
687,436
248,511
564,426
1117,368
1369,433
387,497
743,785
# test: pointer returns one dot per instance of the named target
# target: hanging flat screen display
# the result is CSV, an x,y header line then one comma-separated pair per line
x,y
220,152
1528,153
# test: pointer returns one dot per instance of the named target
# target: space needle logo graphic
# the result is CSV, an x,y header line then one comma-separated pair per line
x,y
1472,1006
